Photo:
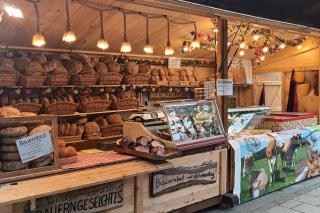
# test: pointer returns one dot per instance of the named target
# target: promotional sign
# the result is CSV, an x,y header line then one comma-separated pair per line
x,y
88,200
174,63
268,162
34,146
183,176
224,87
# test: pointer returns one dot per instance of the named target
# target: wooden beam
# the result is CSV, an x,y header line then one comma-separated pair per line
x,y
138,194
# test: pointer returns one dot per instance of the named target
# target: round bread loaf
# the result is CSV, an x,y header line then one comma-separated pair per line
x,y
81,121
40,128
9,111
40,162
12,132
61,144
8,148
80,130
66,129
114,119
91,128
73,130
113,66
69,151
9,166
10,156
61,129
11,141
28,114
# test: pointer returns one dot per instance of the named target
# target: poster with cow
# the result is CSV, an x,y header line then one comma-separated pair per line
x,y
268,162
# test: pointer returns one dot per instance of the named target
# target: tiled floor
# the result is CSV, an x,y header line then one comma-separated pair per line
x,y
303,197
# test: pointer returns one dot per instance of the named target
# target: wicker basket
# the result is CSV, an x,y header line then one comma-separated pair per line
x,y
8,79
57,80
61,108
95,136
66,161
123,104
28,107
94,106
112,130
111,78
32,81
71,139
137,79
84,80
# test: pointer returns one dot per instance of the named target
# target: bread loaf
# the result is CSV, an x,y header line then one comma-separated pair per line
x,y
74,67
9,111
145,68
61,144
66,129
91,128
101,68
40,128
40,162
11,141
28,114
20,63
81,121
102,122
10,156
61,129
114,119
8,148
34,69
12,132
72,130
9,166
80,130
113,66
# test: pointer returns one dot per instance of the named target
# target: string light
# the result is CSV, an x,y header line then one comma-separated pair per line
x,y
256,37
13,11
265,49
148,48
241,53
185,47
68,36
262,58
125,46
102,43
195,42
242,45
299,46
168,50
282,46
38,39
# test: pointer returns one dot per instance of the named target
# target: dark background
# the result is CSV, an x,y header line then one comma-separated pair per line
x,y
303,12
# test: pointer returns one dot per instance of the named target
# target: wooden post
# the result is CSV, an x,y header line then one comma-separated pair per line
x,y
6,209
222,61
138,194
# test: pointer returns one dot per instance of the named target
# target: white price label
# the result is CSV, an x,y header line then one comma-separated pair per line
x,y
224,87
34,146
174,63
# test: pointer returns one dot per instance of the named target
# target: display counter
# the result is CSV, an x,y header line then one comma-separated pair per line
x,y
188,180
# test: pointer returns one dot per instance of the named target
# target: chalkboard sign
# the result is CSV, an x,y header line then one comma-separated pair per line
x,y
87,200
170,180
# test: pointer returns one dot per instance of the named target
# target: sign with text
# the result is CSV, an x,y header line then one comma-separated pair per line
x,y
174,63
87,200
224,87
170,180
209,87
34,146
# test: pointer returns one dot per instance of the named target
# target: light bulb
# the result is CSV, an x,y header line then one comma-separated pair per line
x,y
262,58
38,40
215,30
148,48
69,37
169,50
299,46
242,45
265,49
229,43
13,11
125,47
185,49
282,46
195,43
256,37
103,44
241,53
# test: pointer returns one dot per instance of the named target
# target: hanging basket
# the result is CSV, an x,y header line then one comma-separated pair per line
x,y
111,78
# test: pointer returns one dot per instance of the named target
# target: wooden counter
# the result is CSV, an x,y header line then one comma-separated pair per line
x,y
135,176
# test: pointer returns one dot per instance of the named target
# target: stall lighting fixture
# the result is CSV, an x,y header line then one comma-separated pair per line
x,y
265,49
299,46
148,48
102,43
215,30
256,37
262,58
241,53
13,11
68,36
195,42
125,46
168,50
185,47
38,39
242,45
229,43
282,46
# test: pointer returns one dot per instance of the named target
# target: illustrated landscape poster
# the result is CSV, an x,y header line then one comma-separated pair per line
x,y
268,162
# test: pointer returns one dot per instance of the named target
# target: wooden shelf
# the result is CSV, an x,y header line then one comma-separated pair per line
x,y
83,114
99,139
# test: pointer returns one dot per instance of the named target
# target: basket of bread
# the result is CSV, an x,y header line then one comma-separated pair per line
x,y
87,76
146,147
92,131
110,125
94,103
8,74
26,104
59,106
135,75
159,76
126,100
71,132
67,154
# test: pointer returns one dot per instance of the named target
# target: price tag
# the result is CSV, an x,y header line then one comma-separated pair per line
x,y
224,87
174,63
34,146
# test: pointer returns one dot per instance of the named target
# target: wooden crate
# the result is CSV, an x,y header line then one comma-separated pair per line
x,y
32,172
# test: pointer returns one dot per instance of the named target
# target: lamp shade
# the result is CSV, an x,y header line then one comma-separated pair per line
x,y
38,40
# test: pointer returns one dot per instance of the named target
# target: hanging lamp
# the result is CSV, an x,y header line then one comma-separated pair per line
x,y
102,43
168,50
38,39
68,36
125,46
148,48
195,42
